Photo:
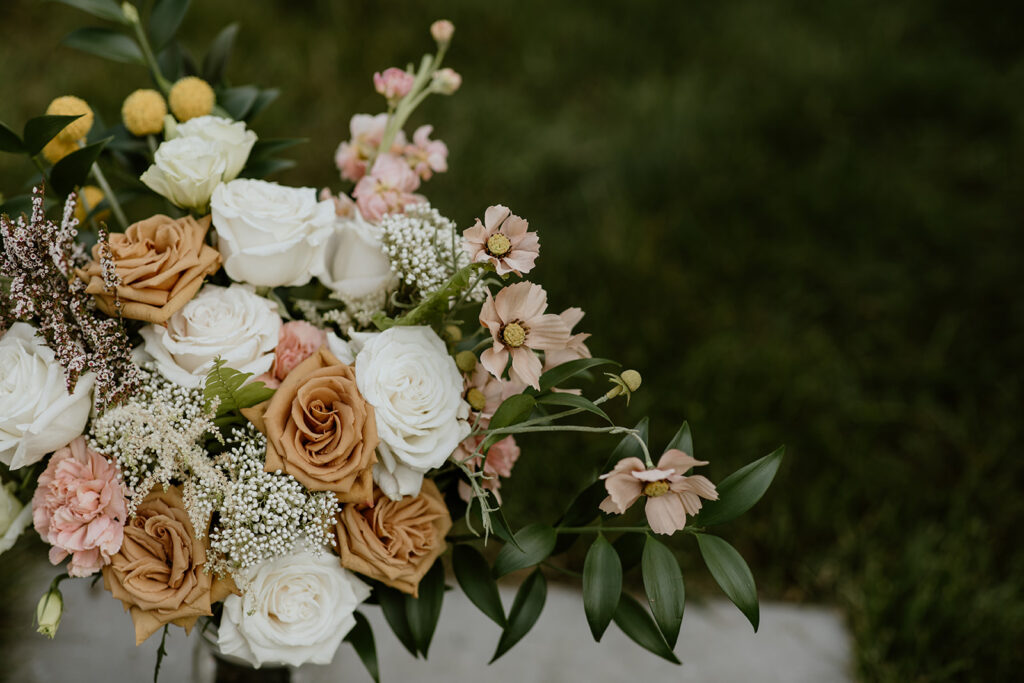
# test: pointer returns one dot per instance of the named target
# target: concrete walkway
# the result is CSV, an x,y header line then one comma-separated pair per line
x,y
795,644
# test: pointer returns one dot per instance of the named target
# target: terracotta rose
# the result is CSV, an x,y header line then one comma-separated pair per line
x,y
394,541
161,262
158,573
320,430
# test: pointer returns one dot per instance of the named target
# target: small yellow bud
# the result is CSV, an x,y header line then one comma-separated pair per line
x,y
453,333
89,197
69,105
625,383
49,612
632,379
476,399
130,12
466,361
191,97
143,112
56,149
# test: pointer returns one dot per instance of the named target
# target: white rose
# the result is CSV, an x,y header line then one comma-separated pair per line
x,y
270,234
14,517
354,264
232,323
296,610
341,349
415,389
37,415
185,171
232,139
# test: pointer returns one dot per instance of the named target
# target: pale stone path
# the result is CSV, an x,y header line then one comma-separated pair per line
x,y
795,644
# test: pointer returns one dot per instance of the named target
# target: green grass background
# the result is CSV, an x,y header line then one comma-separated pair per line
x,y
800,221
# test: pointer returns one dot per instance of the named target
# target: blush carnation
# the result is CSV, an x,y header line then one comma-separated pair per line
x,y
297,341
79,508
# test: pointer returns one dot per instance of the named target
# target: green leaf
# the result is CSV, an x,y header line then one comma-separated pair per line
x,y
526,609
500,525
512,411
238,101
732,574
634,621
682,441
103,9
266,97
17,205
265,149
165,20
361,638
220,50
629,447
423,612
10,141
42,129
536,541
106,43
602,585
266,167
666,592
630,547
560,373
474,576
226,384
73,169
738,492
583,507
392,604
573,401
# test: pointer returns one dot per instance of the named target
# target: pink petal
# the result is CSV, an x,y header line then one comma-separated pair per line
x,y
678,461
515,226
665,514
526,366
547,332
699,485
494,360
495,215
652,475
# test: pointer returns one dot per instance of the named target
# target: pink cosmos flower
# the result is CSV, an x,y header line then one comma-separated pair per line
x,y
367,131
493,391
504,240
575,349
671,496
79,508
518,325
387,189
426,156
394,83
501,457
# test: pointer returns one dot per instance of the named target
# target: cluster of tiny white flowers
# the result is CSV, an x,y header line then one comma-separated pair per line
x,y
157,436
425,248
261,514
359,310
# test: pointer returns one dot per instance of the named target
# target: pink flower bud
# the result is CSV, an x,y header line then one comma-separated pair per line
x,y
442,30
394,84
447,81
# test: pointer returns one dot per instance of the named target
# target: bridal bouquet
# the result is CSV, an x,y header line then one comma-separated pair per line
x,y
263,408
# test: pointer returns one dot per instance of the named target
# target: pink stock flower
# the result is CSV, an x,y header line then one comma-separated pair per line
x,y
367,132
575,349
442,30
504,240
501,457
296,341
344,207
426,156
394,83
671,496
446,81
387,189
79,508
518,325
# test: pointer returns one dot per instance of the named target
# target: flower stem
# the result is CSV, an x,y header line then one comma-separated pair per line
x,y
147,53
115,206
599,529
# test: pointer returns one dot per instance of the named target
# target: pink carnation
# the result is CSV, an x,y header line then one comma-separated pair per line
x,y
426,156
79,508
297,341
387,189
394,83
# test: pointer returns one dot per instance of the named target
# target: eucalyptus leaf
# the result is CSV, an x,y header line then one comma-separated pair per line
x,y
361,638
474,576
536,541
634,621
741,490
666,592
422,612
732,574
602,585
41,129
106,43
526,609
73,169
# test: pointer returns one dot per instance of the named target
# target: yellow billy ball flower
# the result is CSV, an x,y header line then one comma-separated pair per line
x,y
191,97
143,112
56,149
69,105
90,196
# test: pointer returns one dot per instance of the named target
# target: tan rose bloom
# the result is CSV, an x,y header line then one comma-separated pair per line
x,y
158,573
320,430
394,541
161,262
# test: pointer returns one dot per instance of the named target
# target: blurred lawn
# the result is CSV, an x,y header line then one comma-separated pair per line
x,y
801,222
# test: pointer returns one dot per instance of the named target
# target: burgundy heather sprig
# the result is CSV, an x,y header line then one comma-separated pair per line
x,y
39,258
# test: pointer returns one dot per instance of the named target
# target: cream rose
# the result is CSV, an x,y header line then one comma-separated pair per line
x,y
296,610
37,414
232,323
406,374
231,138
14,517
270,234
185,171
354,264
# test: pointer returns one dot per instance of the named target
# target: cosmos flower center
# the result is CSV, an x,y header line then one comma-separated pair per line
x,y
655,488
498,244
514,335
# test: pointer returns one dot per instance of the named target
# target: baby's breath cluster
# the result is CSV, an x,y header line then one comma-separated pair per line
x,y
424,247
158,436
261,514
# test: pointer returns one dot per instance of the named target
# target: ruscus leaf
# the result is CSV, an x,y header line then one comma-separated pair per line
x,y
741,490
732,574
526,609
361,638
602,585
634,621
106,43
536,541
474,576
666,593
